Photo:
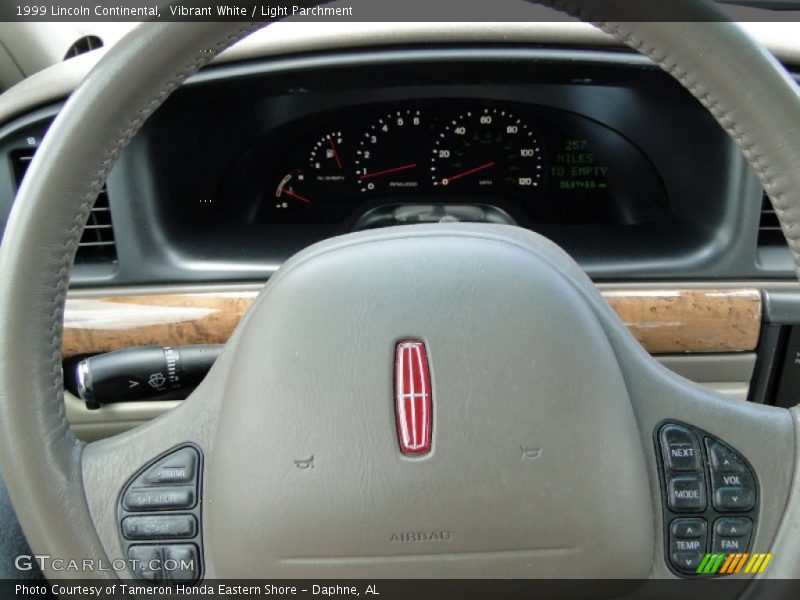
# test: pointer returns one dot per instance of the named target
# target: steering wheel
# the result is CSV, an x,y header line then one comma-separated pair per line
x,y
542,447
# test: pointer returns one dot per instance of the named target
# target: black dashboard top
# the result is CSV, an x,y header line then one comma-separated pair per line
x,y
249,163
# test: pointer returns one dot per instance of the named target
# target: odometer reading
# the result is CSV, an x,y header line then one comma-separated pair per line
x,y
487,149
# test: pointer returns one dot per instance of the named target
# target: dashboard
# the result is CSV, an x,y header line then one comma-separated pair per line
x,y
598,150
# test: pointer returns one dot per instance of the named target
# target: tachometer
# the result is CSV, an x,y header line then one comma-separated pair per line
x,y
487,150
392,154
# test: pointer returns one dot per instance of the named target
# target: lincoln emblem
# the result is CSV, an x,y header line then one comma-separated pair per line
x,y
412,398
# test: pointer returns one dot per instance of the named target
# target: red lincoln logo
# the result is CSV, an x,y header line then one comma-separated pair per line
x,y
412,397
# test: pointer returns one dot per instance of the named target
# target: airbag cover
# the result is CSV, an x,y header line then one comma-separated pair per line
x,y
536,465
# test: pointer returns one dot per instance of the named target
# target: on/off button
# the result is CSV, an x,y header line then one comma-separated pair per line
x,y
680,448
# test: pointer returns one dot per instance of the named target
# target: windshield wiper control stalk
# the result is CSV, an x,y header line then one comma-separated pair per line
x,y
140,373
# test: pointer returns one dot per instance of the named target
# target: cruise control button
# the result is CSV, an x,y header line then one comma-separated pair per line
x,y
723,459
137,500
680,448
146,562
159,527
688,528
178,467
734,498
180,562
686,562
686,493
733,527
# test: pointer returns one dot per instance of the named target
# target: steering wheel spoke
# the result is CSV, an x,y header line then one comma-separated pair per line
x,y
144,488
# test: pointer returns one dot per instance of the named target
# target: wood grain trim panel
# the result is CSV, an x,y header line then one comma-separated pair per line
x,y
93,325
690,320
665,321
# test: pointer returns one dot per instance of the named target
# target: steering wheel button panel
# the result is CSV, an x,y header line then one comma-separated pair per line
x,y
159,527
146,562
718,470
688,528
159,499
180,467
734,498
733,527
152,507
732,482
723,459
180,561
687,493
688,540
680,447
730,544
687,562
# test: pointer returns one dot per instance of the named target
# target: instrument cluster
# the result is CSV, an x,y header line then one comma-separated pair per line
x,y
455,160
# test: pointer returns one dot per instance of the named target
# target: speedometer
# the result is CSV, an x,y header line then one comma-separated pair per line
x,y
487,150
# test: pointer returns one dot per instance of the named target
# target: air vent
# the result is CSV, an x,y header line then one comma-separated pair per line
x,y
97,244
769,229
83,45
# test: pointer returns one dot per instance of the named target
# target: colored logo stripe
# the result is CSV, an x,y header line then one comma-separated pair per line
x,y
711,563
727,564
758,563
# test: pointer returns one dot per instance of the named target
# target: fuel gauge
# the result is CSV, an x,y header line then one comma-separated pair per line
x,y
325,159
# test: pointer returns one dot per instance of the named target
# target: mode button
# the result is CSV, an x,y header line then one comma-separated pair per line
x,y
686,493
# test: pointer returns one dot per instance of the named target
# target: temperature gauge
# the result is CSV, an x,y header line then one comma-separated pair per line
x,y
287,193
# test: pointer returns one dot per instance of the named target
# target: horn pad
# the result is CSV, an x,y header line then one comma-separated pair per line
x,y
536,466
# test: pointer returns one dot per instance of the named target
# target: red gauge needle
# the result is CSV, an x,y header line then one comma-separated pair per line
x,y
478,169
335,154
387,171
291,194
